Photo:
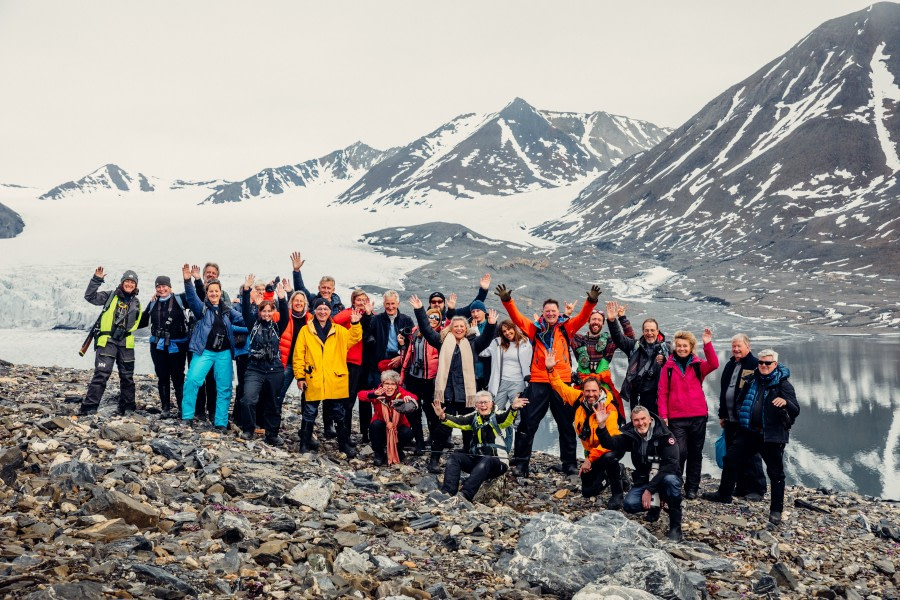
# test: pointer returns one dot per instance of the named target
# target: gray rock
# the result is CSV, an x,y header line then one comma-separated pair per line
x,y
563,556
282,522
118,431
594,591
233,528
314,493
885,566
113,505
351,561
81,473
387,568
10,462
698,581
715,565
425,522
167,448
765,585
230,563
783,576
126,547
438,591
162,577
78,590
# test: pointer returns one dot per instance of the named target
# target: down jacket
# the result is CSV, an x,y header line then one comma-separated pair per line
x,y
681,392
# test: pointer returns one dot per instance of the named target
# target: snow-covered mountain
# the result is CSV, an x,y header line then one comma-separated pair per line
x,y
107,177
515,150
345,164
798,163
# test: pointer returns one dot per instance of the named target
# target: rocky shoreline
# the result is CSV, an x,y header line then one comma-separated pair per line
x,y
139,507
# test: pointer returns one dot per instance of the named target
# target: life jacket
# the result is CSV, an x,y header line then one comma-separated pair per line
x,y
489,449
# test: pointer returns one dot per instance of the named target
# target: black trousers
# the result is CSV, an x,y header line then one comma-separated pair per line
x,y
440,437
690,433
353,381
480,468
604,471
747,444
261,397
649,399
540,399
751,479
169,368
107,357
424,391
378,437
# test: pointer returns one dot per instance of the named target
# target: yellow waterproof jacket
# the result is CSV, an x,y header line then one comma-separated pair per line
x,y
324,365
571,396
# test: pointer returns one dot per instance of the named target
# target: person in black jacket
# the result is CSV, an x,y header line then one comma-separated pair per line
x,y
454,383
646,355
488,455
657,468
168,343
767,407
447,306
265,373
751,482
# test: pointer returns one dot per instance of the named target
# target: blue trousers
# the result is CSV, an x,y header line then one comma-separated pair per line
x,y
220,363
670,490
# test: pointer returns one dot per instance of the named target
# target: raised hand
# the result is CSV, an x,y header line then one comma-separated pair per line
x,y
279,290
186,271
601,413
570,308
296,260
519,402
611,310
550,361
492,317
99,272
594,293
620,309
707,335
439,411
355,315
414,301
369,307
504,293
248,281
451,301
286,284
485,281
195,272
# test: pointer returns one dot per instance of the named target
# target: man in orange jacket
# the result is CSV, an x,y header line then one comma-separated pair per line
x,y
550,334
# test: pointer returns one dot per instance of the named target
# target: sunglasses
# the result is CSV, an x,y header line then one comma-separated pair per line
x,y
767,363
437,301
434,318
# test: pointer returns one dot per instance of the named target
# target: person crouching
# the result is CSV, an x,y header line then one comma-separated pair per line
x,y
389,429
488,456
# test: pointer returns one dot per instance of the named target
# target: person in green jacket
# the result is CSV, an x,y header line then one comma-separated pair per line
x,y
114,343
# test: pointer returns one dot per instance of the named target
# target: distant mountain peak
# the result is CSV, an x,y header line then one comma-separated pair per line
x,y
109,177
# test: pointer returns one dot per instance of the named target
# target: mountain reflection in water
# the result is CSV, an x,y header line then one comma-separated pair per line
x,y
847,434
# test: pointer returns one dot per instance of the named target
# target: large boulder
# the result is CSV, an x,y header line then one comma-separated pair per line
x,y
604,548
314,493
113,505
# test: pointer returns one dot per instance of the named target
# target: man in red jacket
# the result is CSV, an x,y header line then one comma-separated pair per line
x,y
549,334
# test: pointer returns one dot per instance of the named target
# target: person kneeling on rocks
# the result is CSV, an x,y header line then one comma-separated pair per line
x,y
657,470
389,429
488,455
598,461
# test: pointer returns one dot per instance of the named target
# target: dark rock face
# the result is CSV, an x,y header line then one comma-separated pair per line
x,y
563,556
11,224
347,163
796,164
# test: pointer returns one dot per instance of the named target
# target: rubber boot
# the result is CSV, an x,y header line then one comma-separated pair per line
x,y
329,430
343,437
306,437
674,532
617,499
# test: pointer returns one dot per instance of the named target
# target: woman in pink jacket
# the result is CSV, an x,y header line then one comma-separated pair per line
x,y
682,403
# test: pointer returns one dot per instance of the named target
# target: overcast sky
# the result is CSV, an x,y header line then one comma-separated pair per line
x,y
222,89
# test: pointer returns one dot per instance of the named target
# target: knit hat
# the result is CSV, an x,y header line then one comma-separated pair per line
x,y
319,302
478,305
129,275
163,280
436,295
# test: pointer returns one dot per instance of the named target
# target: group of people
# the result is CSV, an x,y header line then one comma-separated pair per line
x,y
451,367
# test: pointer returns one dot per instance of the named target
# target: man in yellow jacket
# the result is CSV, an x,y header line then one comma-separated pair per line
x,y
320,365
598,461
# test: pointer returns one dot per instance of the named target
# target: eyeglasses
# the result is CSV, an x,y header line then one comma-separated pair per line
x,y
485,402
433,318
767,363
437,301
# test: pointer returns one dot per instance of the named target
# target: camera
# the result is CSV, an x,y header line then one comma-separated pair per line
x,y
218,342
406,332
270,287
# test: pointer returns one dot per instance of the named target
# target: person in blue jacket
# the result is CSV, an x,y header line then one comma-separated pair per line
x,y
212,343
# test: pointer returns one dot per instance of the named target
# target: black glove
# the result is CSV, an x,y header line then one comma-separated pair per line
x,y
504,293
594,293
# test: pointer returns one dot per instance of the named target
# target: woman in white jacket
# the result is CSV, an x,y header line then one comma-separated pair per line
x,y
510,355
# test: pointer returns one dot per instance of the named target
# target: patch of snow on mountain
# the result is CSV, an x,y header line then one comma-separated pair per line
x,y
884,89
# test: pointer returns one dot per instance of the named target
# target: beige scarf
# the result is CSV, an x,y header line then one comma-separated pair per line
x,y
445,357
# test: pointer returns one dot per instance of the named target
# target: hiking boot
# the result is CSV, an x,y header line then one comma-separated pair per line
x,y
434,464
380,460
343,438
690,494
330,432
247,435
521,470
716,497
615,502
675,534
753,497
775,518
274,440
653,514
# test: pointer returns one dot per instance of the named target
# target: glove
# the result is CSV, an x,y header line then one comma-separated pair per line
x,y
594,293
504,293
